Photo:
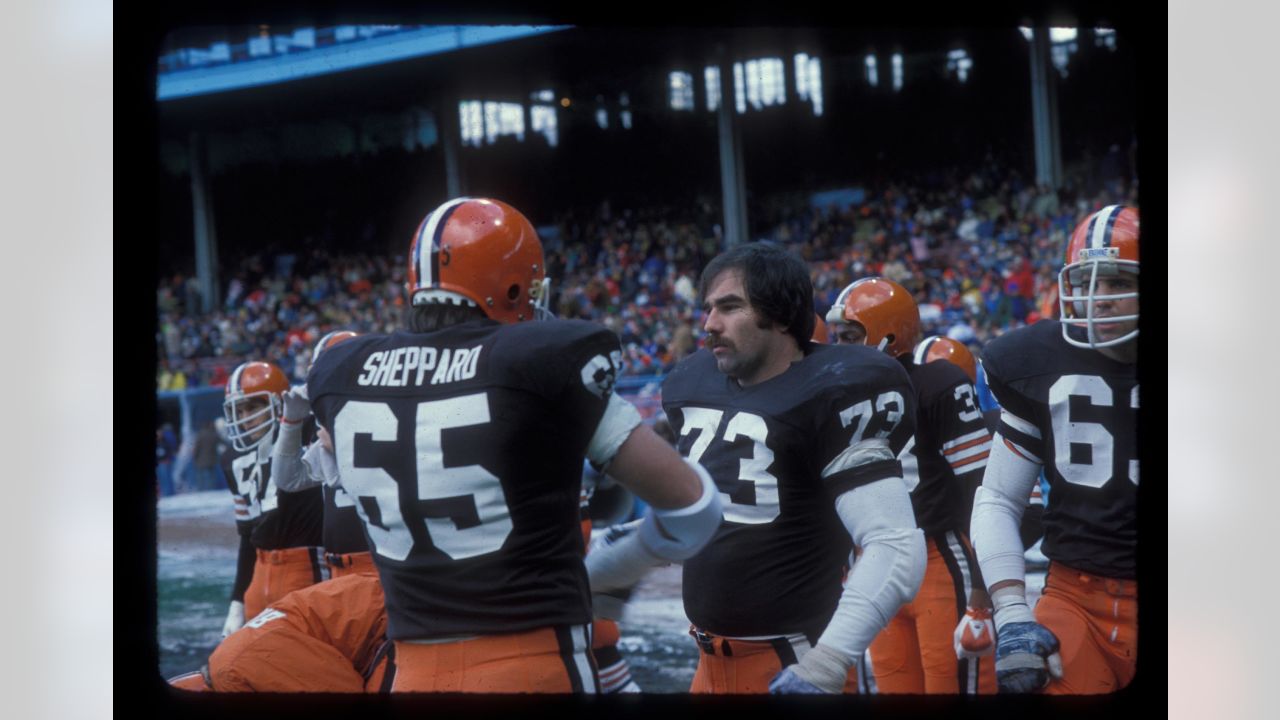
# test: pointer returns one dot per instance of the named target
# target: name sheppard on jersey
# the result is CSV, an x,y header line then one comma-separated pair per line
x,y
394,368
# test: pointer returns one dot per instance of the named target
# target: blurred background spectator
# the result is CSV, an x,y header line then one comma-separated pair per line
x,y
979,248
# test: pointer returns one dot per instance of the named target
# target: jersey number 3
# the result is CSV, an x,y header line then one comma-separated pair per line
x,y
464,508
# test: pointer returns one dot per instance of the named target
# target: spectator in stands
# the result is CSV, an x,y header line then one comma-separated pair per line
x,y
961,239
208,449
165,450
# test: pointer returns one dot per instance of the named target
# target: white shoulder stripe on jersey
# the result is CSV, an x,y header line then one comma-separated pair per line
x,y
975,435
1100,224
1019,424
424,241
857,454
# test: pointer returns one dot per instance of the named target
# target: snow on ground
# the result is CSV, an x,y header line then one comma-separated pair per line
x,y
196,545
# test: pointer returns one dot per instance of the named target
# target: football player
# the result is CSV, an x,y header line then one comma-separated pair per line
x,y
1068,394
461,440
802,440
329,637
280,535
919,651
346,550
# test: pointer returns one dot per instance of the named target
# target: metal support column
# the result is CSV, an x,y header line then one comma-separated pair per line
x,y
451,142
1044,111
202,220
732,174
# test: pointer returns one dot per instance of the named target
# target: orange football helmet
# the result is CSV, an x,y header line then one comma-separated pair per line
x,y
1103,245
884,309
938,347
820,330
479,252
253,379
329,340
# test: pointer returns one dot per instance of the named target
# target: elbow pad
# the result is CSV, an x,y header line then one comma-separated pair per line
x,y
886,577
997,513
679,534
889,571
615,426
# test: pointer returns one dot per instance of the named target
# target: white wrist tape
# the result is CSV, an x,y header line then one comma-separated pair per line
x,y
619,419
1010,605
680,533
824,668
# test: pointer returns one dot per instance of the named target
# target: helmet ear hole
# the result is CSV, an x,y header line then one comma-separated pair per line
x,y
513,293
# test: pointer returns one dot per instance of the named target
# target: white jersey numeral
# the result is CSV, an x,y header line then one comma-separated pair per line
x,y
477,519
1066,432
753,470
889,404
969,410
248,476
391,536
451,535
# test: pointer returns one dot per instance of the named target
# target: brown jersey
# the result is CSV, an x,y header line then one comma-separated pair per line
x,y
463,451
1075,411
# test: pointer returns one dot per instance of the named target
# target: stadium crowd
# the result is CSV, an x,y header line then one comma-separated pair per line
x,y
980,249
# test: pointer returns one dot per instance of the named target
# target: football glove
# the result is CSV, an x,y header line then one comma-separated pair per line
x,y
1026,657
296,404
235,618
975,635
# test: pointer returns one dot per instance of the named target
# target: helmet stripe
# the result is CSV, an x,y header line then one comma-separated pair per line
x,y
1100,228
428,261
922,350
233,383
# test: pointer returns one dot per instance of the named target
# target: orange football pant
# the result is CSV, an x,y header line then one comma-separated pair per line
x,y
1095,619
728,665
546,660
192,681
318,639
279,572
915,653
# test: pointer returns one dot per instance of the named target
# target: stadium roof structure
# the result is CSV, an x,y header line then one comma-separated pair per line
x,y
206,78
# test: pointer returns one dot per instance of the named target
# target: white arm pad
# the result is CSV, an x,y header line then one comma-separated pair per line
x,y
619,419
880,520
997,514
321,465
621,557
286,459
617,559
679,533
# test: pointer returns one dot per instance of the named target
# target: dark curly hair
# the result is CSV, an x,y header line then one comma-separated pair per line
x,y
776,282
